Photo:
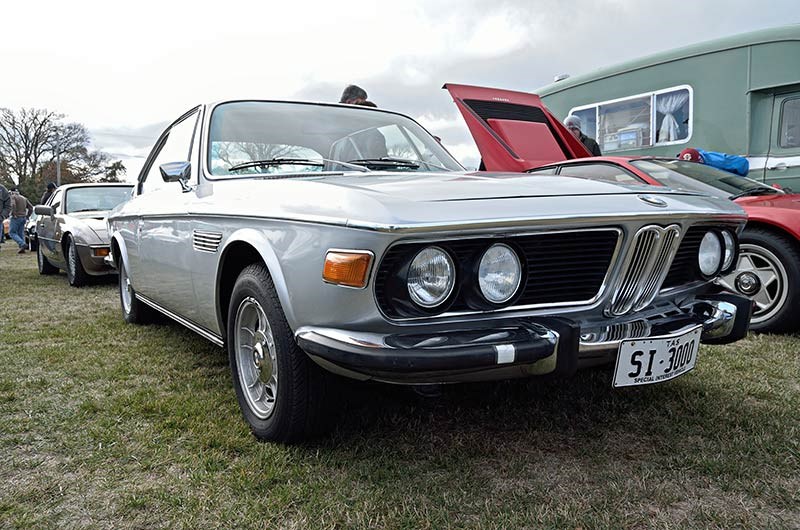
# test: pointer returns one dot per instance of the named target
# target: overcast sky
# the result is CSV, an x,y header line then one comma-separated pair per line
x,y
124,69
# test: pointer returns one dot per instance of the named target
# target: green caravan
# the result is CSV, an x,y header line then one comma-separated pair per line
x,y
738,95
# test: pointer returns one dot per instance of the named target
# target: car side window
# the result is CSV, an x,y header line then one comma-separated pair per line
x,y
176,147
543,171
607,172
55,200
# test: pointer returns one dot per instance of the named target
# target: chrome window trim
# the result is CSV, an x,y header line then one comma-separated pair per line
x,y
576,303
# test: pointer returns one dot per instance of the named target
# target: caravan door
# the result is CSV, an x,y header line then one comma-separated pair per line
x,y
783,162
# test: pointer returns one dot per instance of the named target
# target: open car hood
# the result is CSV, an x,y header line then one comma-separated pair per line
x,y
514,131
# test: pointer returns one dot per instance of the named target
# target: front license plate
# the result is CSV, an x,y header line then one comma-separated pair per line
x,y
646,361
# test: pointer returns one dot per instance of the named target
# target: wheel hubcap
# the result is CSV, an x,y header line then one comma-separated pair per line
x,y
126,291
256,359
72,258
774,280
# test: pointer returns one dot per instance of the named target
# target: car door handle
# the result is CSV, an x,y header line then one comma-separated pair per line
x,y
778,167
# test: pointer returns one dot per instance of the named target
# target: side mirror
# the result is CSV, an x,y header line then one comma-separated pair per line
x,y
43,210
176,171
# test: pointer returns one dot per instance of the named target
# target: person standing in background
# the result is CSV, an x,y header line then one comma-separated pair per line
x,y
353,95
21,209
51,187
5,210
573,124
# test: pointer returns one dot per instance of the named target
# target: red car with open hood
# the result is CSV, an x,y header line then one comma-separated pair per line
x,y
769,245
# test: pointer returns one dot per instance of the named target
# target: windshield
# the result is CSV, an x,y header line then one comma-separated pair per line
x,y
99,198
314,138
691,176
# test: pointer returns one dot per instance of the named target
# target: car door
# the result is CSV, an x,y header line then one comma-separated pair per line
x,y
49,230
783,162
161,266
514,131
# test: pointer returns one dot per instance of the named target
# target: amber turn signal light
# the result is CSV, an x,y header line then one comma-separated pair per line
x,y
100,252
349,268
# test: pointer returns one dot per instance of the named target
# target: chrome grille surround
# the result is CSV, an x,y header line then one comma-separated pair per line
x,y
645,268
206,241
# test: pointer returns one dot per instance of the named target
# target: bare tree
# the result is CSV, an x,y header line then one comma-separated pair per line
x,y
30,140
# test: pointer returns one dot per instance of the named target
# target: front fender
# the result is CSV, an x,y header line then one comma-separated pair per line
x,y
121,254
259,241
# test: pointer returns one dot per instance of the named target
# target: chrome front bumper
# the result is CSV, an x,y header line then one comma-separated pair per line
x,y
514,347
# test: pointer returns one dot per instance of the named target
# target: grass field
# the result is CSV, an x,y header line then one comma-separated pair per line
x,y
107,425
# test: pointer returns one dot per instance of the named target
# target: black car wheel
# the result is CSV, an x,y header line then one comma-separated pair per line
x,y
775,259
134,311
281,392
76,274
45,267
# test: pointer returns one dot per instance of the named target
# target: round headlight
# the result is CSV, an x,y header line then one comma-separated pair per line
x,y
431,277
710,255
499,273
730,249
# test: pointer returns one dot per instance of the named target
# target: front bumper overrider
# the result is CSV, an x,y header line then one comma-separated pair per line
x,y
512,347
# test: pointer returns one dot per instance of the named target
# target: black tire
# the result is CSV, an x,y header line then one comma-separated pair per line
x,y
299,408
768,245
76,274
45,267
134,311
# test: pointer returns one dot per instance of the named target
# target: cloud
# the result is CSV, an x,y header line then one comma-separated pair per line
x,y
124,80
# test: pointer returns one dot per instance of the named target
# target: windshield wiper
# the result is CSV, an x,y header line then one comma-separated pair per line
x,y
386,161
754,191
279,161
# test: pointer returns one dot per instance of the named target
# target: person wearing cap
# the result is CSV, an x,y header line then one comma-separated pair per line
x,y
51,187
353,95
732,163
574,125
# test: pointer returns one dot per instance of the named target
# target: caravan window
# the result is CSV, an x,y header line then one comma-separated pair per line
x,y
790,123
661,117
625,124
672,116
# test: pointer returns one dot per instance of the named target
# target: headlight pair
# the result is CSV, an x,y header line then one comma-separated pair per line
x,y
432,275
716,253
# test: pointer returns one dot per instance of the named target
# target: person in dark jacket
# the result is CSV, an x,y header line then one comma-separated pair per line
x,y
51,187
5,209
573,123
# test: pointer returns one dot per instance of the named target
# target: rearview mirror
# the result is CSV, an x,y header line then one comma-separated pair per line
x,y
176,171
43,210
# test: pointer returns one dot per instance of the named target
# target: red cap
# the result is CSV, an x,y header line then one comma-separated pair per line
x,y
692,155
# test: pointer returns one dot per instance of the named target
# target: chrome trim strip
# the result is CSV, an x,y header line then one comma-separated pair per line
x,y
577,303
711,216
213,337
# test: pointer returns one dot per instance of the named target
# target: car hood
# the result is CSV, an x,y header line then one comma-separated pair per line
x,y
514,131
95,221
448,187
430,201
789,201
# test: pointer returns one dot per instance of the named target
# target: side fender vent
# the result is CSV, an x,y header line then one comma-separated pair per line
x,y
206,241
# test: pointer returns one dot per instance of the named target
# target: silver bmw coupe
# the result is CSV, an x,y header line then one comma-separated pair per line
x,y
316,239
